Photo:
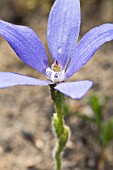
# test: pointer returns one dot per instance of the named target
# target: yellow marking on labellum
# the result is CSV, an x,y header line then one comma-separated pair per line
x,y
56,67
55,73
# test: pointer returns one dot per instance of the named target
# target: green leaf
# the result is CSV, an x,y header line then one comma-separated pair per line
x,y
97,108
107,132
96,105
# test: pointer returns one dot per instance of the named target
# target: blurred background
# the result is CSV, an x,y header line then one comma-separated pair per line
x,y
26,137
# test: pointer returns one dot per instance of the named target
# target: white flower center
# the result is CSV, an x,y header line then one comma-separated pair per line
x,y
55,73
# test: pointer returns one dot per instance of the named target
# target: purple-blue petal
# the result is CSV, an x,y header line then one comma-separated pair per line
x,y
26,45
75,90
88,45
63,29
8,79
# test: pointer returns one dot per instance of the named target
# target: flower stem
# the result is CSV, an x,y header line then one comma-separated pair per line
x,y
60,129
58,159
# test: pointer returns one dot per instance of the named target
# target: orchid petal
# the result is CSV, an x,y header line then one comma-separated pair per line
x,y
8,79
75,90
26,44
88,45
63,29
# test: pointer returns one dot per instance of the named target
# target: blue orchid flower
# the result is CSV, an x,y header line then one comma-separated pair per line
x,y
68,56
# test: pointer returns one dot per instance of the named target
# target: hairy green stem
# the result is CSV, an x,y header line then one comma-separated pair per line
x,y
60,129
58,159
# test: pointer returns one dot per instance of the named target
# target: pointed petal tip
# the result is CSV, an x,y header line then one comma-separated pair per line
x,y
9,79
88,45
63,29
75,90
26,44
